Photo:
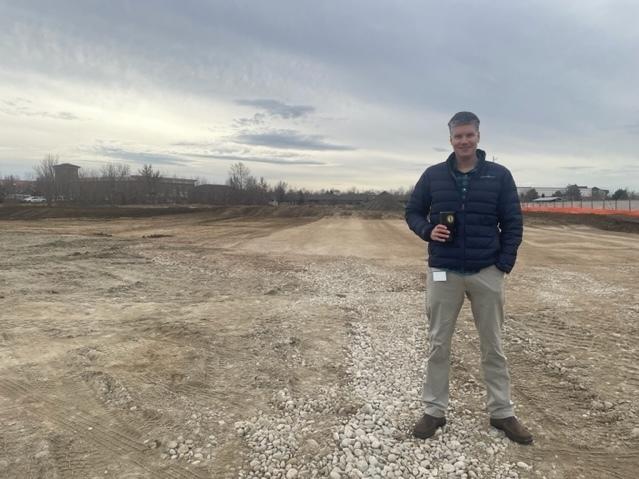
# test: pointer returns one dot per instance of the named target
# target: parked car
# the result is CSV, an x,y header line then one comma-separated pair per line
x,y
35,199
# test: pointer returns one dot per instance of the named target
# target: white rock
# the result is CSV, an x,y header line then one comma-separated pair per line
x,y
523,465
41,454
312,444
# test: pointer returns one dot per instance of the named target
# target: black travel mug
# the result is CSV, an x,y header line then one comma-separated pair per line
x,y
447,218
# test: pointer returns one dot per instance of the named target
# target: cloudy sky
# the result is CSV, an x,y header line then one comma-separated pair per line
x,y
332,93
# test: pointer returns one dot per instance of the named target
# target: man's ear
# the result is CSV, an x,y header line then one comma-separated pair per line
x,y
478,136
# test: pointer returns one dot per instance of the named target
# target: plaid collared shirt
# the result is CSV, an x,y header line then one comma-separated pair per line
x,y
462,180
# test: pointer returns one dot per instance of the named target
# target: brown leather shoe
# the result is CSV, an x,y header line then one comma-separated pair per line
x,y
514,430
427,426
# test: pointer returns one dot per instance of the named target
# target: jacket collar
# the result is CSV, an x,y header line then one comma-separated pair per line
x,y
481,160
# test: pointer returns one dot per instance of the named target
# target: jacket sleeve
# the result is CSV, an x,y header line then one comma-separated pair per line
x,y
418,207
510,224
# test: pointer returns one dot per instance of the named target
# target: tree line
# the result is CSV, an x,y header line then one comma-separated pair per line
x,y
573,193
115,184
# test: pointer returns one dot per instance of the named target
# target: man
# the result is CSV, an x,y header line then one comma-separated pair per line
x,y
470,259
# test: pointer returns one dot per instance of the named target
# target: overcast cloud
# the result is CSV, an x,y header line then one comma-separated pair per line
x,y
357,93
288,139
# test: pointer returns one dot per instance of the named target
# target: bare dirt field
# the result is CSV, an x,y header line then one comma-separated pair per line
x,y
252,343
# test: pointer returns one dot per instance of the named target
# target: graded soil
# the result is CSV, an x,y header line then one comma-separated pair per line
x,y
122,335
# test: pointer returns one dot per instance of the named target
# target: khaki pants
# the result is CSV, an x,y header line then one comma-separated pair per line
x,y
485,290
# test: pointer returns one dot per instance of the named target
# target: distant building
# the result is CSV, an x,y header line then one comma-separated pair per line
x,y
541,190
66,177
599,193
66,172
133,189
166,188
119,190
212,194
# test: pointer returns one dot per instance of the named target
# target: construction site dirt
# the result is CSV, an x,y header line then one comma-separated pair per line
x,y
151,346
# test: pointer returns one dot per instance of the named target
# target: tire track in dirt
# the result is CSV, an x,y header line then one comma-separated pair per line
x,y
553,331
90,428
558,335
73,458
559,399
556,411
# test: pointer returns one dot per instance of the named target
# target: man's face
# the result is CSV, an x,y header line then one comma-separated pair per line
x,y
464,139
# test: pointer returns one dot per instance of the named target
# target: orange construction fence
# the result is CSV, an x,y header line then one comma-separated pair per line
x,y
580,211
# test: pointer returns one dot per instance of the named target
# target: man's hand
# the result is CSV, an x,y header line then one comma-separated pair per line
x,y
439,233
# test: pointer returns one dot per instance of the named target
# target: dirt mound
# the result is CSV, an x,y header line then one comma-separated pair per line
x,y
282,211
384,202
30,212
625,224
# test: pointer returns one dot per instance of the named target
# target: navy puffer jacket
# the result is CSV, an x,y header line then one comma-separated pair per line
x,y
489,224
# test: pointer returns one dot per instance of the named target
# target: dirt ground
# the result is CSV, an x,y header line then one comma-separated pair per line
x,y
118,335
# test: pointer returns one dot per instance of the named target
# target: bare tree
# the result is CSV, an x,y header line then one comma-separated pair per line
x,y
240,177
45,177
573,192
530,195
115,170
246,188
150,179
112,176
280,191
89,191
9,184
201,180
147,171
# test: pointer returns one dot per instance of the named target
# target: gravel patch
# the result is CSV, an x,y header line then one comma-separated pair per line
x,y
362,429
